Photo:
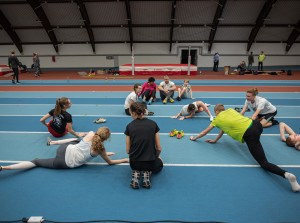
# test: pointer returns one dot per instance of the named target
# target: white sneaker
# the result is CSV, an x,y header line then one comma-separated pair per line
x,y
100,120
211,118
207,105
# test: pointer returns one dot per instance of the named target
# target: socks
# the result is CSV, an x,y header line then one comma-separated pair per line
x,y
293,181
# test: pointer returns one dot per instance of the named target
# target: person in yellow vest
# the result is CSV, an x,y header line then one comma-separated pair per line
x,y
244,129
261,58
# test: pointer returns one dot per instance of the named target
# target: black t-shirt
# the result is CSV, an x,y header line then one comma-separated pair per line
x,y
59,122
142,139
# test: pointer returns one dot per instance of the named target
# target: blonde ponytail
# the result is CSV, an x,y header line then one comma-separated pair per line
x,y
100,136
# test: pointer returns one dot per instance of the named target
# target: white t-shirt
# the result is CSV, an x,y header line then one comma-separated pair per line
x,y
184,110
132,96
167,86
261,103
78,154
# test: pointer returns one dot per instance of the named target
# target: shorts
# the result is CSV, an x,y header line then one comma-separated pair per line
x,y
185,95
54,133
268,117
154,166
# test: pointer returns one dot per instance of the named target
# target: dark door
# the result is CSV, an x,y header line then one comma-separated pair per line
x,y
185,54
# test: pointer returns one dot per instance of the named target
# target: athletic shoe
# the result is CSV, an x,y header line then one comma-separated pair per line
x,y
178,98
18,82
13,81
149,102
165,101
171,100
100,120
180,134
211,118
146,179
275,122
150,113
173,132
237,109
135,184
48,141
248,109
207,105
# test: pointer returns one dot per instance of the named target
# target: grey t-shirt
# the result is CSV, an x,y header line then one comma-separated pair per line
x,y
261,103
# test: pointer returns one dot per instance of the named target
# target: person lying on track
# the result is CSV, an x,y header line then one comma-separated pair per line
x,y
73,152
293,140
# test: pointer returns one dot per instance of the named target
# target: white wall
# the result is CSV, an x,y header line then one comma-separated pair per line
x,y
81,55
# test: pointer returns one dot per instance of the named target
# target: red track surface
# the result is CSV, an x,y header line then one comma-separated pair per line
x,y
129,88
206,75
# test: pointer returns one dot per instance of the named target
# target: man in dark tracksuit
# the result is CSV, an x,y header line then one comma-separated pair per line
x,y
14,63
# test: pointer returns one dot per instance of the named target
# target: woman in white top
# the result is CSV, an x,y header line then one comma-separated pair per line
x,y
264,111
73,152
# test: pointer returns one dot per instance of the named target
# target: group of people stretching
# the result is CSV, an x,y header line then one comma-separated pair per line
x,y
143,141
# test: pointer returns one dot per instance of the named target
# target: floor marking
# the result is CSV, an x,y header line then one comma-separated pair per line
x,y
173,164
119,116
119,133
121,105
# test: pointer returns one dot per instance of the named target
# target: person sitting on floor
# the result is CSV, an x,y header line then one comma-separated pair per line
x,y
166,89
148,91
184,90
242,68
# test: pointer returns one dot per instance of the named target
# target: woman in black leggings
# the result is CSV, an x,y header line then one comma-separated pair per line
x,y
73,152
246,130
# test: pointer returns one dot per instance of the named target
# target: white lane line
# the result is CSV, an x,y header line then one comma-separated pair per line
x,y
172,164
118,133
117,116
121,105
125,95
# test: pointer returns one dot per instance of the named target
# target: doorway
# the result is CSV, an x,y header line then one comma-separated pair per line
x,y
185,55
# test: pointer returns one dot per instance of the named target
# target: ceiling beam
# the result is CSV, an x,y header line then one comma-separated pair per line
x,y
10,31
293,36
40,13
218,14
166,41
260,21
172,23
127,4
87,23
154,25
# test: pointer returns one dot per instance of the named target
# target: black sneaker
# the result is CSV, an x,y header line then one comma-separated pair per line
x,y
178,98
135,184
237,109
13,81
150,113
146,179
275,122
